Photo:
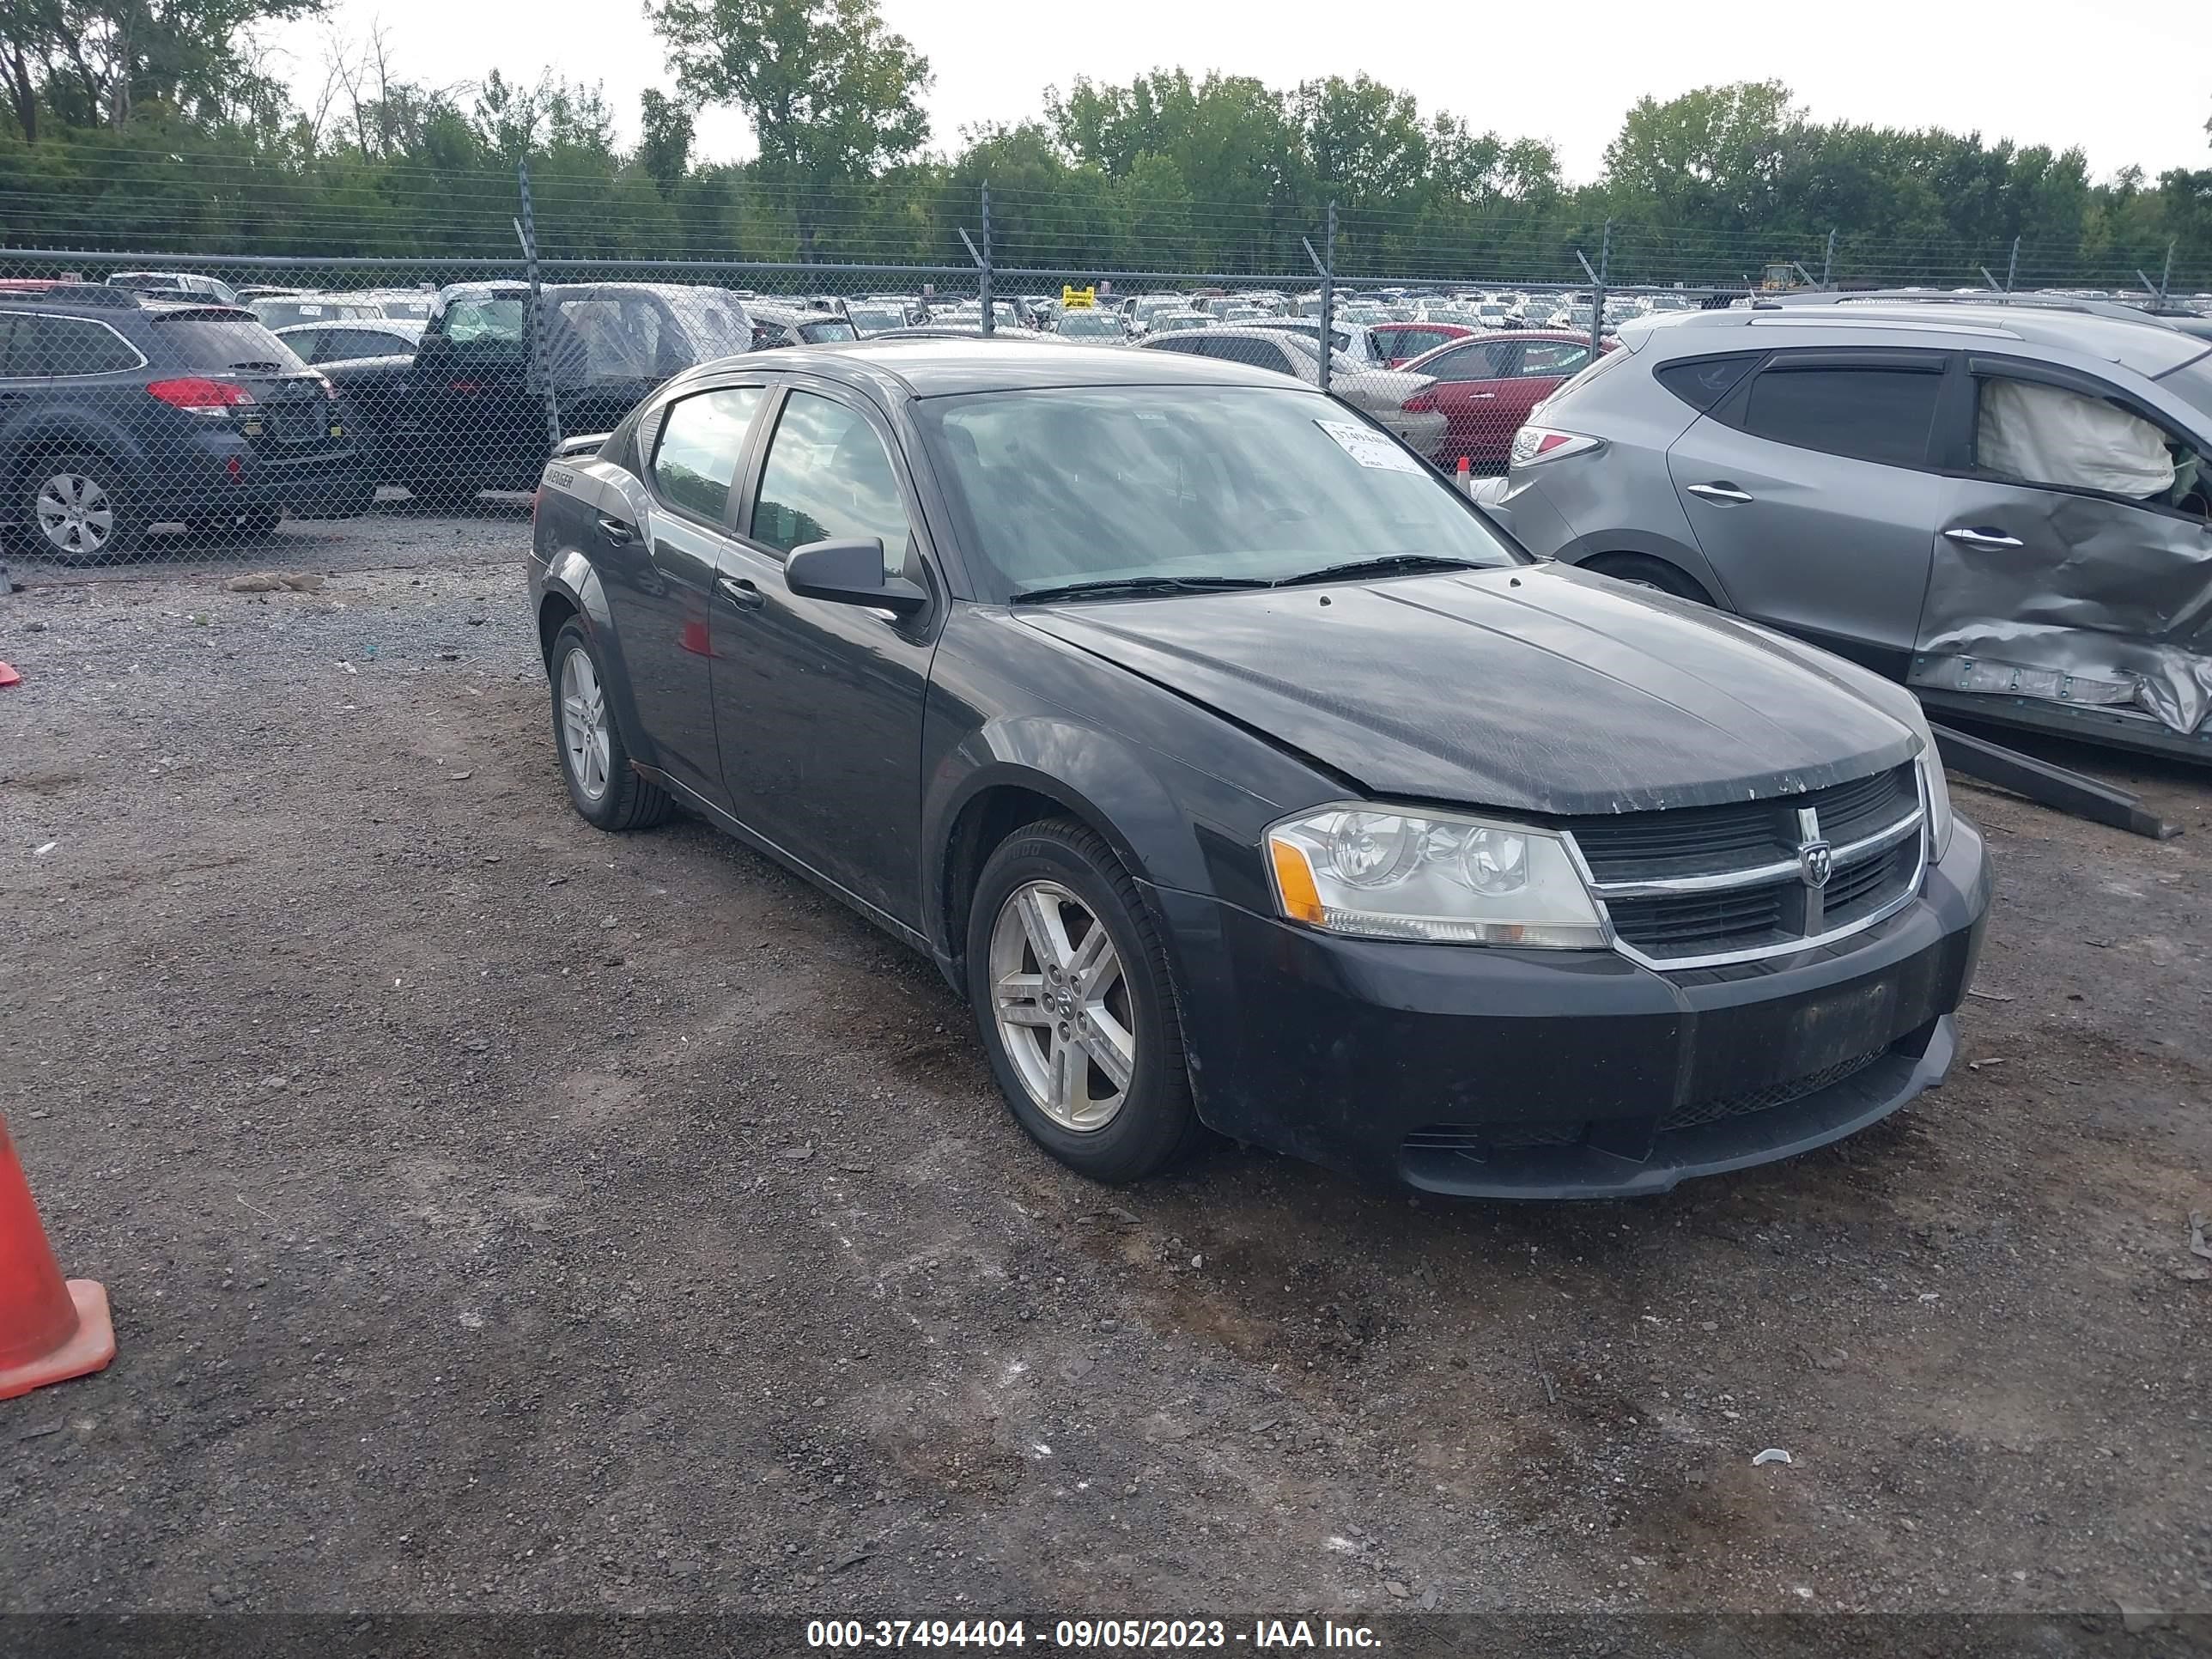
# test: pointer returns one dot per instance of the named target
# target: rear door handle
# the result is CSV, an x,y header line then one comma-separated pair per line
x,y
740,592
1726,494
621,531
1977,536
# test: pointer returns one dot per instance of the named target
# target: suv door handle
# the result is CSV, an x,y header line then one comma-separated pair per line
x,y
1724,493
621,531
1472,395
1981,538
740,592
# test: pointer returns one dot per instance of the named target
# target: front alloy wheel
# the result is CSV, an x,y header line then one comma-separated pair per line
x,y
1075,1004
1062,1005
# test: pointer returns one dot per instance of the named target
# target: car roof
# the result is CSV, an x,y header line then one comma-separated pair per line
x,y
2143,344
915,367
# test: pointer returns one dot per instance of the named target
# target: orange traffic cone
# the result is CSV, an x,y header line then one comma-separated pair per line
x,y
1465,478
50,1331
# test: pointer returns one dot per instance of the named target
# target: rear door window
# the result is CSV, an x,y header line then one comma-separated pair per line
x,y
1260,354
1551,359
702,440
1476,363
1883,414
828,475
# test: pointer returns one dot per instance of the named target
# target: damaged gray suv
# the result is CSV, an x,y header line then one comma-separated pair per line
x,y
2007,508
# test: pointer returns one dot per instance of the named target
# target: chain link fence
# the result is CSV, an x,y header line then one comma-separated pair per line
x,y
236,411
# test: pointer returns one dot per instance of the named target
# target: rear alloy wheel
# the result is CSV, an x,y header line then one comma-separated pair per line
x,y
603,786
1639,570
77,510
1072,995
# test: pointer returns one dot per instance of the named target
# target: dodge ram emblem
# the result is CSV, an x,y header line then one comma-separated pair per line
x,y
1816,859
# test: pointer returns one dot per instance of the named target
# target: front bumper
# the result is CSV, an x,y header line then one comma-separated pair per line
x,y
1485,1072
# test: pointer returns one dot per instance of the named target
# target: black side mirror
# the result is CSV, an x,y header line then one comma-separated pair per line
x,y
850,572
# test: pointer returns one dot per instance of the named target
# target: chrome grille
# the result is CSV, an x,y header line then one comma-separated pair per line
x,y
1708,885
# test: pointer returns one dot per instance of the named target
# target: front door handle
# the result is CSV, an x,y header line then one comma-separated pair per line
x,y
620,532
1727,495
1978,537
740,592
1474,396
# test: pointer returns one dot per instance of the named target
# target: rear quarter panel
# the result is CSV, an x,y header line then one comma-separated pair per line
x,y
1621,499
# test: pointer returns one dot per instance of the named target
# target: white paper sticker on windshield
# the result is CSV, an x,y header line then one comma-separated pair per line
x,y
1369,447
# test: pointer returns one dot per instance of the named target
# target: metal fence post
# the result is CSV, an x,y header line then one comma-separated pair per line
x,y
1828,265
1325,263
2011,266
983,282
1597,295
540,369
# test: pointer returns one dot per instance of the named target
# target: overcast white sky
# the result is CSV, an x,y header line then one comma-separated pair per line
x,y
2038,71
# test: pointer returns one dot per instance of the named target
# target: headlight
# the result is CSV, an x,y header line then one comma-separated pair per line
x,y
1938,791
1380,872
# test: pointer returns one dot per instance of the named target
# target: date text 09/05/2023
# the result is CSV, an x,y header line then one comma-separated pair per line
x,y
1106,1635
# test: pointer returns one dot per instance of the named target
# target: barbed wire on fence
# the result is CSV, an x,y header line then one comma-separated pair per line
x,y
279,396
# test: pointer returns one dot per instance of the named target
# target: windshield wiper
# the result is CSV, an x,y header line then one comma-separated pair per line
x,y
1117,586
1389,564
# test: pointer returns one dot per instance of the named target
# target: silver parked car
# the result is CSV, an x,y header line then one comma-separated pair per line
x,y
2006,506
1381,392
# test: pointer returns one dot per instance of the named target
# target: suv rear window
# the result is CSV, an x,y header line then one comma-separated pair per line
x,y
485,326
222,340
1868,414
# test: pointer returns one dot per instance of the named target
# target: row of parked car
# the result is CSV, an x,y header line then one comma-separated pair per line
x,y
1516,879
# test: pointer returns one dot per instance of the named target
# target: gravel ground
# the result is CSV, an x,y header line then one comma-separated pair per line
x,y
397,535
500,1215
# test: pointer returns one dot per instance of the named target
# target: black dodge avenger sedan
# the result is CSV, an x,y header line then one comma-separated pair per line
x,y
1240,776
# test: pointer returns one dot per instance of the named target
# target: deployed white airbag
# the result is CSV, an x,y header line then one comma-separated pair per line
x,y
2046,435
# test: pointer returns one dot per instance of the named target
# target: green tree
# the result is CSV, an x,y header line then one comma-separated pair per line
x,y
832,95
663,146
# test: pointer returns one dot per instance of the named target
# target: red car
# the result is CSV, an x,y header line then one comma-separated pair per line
x,y
1487,387
1400,342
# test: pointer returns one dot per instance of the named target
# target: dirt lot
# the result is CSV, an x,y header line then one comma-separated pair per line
x,y
500,1215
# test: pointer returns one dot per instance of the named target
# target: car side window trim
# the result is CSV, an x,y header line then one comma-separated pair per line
x,y
88,374
1977,367
650,474
765,427
1732,409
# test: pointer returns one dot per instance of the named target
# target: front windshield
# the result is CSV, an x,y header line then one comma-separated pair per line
x,y
1169,322
1104,483
2192,384
873,319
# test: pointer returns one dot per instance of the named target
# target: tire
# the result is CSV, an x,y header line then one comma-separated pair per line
x,y
1639,570
1120,1133
77,507
603,786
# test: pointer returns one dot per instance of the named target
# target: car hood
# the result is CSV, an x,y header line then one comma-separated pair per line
x,y
1538,690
